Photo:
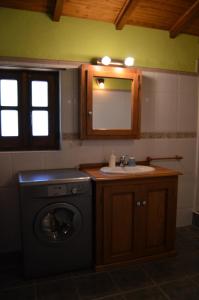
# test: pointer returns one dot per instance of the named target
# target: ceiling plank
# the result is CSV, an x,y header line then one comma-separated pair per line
x,y
58,9
125,13
184,20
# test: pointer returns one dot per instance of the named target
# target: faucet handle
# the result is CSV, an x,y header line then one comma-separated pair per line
x,y
123,156
123,160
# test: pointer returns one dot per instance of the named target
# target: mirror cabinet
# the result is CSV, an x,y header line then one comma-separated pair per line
x,y
109,102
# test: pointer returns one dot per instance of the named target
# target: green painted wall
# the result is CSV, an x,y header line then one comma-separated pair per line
x,y
34,35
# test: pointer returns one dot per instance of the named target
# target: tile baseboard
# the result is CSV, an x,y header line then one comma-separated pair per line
x,y
167,135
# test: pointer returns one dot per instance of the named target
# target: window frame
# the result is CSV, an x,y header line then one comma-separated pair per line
x,y
25,140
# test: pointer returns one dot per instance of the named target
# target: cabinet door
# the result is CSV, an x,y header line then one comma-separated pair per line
x,y
159,217
139,220
119,206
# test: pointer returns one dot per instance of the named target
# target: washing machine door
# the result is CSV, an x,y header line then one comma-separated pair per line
x,y
56,223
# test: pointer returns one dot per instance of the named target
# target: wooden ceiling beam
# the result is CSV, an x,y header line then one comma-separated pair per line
x,y
184,20
125,13
58,9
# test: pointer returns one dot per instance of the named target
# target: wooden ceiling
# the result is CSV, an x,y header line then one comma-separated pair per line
x,y
175,16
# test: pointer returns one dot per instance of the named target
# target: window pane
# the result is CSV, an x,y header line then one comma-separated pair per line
x,y
40,93
9,92
39,123
9,123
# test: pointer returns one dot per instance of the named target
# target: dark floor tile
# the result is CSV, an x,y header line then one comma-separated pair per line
x,y
166,269
131,278
146,294
193,228
191,263
195,279
12,278
89,285
69,274
10,261
95,285
186,243
56,290
187,232
56,277
20,293
82,272
181,290
114,297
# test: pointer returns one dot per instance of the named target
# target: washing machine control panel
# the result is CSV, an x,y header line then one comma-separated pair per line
x,y
57,190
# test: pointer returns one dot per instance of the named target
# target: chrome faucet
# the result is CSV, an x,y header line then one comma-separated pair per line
x,y
123,160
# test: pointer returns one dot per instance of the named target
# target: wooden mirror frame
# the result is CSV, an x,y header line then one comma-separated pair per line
x,y
87,72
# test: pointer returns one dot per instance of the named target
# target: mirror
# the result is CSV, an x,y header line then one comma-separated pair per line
x,y
109,102
111,97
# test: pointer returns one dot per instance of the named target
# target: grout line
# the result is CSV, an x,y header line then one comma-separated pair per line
x,y
17,286
184,277
156,283
173,280
113,281
130,290
73,276
148,275
163,292
76,289
106,296
192,279
35,291
177,280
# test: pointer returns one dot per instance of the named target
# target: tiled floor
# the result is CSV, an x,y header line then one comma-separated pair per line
x,y
175,278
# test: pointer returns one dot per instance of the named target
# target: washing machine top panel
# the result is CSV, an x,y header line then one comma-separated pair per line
x,y
45,177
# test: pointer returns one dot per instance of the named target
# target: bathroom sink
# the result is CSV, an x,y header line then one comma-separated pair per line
x,y
127,169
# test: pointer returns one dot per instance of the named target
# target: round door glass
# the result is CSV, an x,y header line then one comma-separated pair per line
x,y
57,222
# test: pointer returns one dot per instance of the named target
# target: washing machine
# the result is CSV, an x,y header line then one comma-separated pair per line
x,y
56,221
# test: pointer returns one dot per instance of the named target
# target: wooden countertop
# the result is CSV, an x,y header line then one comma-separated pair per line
x,y
97,175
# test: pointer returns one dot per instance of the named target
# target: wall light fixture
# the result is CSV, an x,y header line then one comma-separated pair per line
x,y
100,82
107,61
129,61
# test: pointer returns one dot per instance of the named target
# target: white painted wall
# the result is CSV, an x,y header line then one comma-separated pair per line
x,y
169,104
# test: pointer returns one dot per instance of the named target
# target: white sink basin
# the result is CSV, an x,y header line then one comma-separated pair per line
x,y
127,170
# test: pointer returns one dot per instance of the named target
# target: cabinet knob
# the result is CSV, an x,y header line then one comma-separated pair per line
x,y
143,203
90,113
138,203
74,191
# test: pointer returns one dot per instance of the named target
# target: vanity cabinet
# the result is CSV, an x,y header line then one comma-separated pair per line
x,y
137,219
135,216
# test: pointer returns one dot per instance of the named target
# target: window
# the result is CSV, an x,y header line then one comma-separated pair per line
x,y
29,110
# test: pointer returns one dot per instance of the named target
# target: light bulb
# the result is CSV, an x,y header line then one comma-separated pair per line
x,y
100,82
101,85
129,61
106,60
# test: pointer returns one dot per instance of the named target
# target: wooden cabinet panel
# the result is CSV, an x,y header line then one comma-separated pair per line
x,y
135,219
122,223
160,216
156,218
118,223
90,112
